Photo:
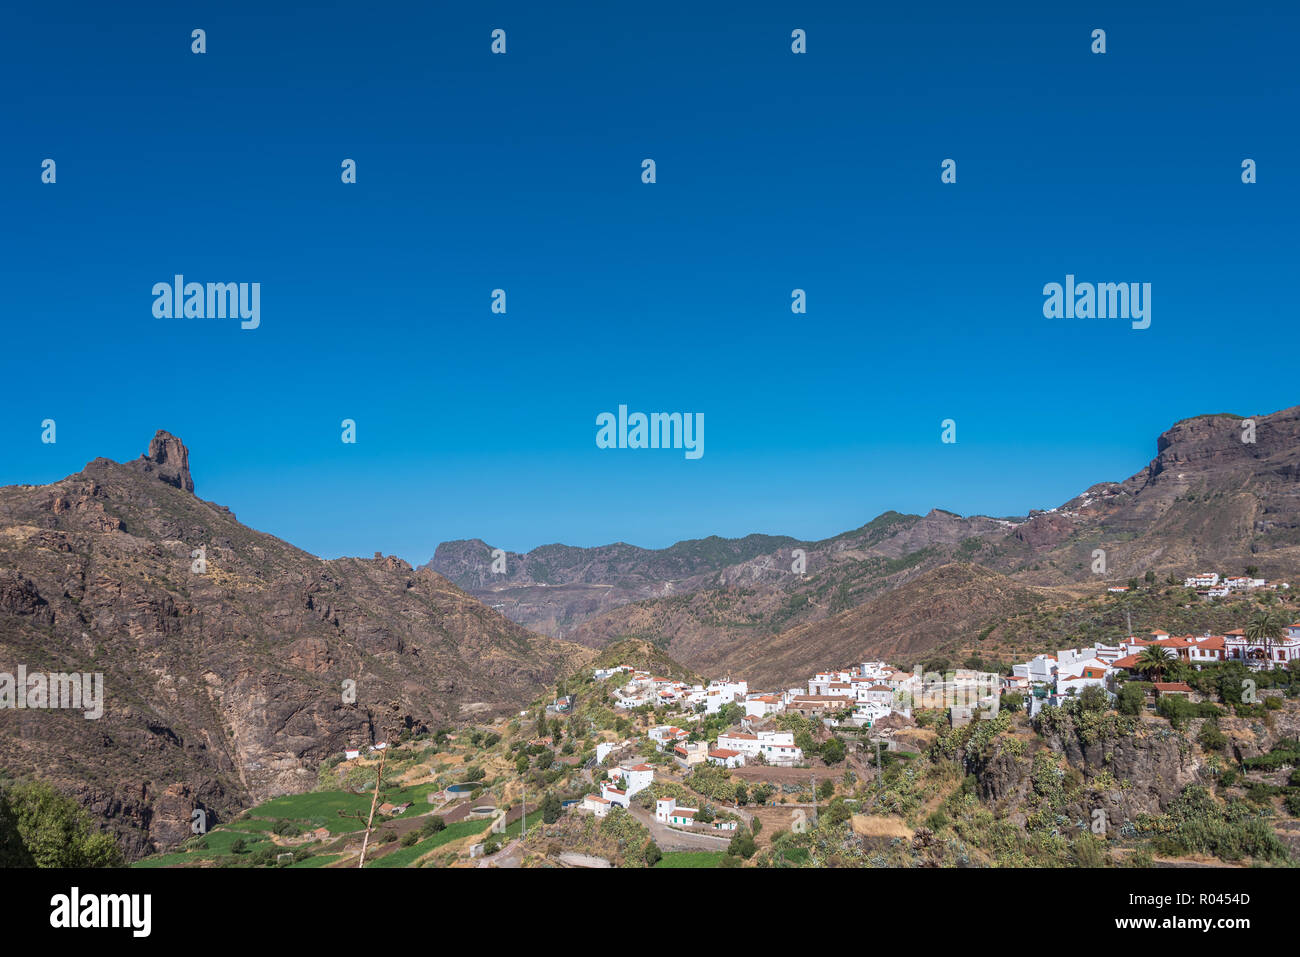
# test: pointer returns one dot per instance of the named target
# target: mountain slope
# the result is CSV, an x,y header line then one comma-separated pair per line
x,y
900,625
225,687
1206,499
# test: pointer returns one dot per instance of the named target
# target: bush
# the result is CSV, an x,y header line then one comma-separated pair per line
x,y
1198,824
832,751
432,825
652,854
1271,761
1131,699
1211,738
39,827
1094,698
409,838
742,845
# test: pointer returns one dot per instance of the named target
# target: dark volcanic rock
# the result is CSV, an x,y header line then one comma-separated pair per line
x,y
169,460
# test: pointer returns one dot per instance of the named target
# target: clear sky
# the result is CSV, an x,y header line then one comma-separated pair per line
x,y
775,171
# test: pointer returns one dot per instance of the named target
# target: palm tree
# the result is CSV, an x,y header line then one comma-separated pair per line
x,y
1264,626
1153,661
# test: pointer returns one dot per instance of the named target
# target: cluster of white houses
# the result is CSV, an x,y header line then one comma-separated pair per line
x,y
1211,585
642,688
1070,670
863,694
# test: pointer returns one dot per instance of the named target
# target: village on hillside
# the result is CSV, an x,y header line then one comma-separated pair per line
x,y
874,696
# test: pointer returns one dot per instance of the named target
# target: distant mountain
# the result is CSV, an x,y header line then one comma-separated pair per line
x,y
901,625
562,590
1208,499
224,687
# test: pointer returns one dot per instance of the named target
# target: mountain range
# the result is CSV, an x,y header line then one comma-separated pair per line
x,y
234,663
1208,499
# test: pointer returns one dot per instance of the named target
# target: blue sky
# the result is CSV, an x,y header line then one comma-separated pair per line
x,y
775,171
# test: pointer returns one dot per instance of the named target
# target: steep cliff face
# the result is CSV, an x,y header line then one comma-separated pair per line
x,y
1124,775
229,657
1222,491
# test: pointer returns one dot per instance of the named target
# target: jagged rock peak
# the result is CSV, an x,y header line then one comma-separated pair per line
x,y
169,459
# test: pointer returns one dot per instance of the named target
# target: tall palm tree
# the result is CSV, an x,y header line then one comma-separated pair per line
x,y
1264,626
1152,660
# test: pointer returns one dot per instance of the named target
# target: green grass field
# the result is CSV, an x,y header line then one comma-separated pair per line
x,y
452,832
691,859
320,860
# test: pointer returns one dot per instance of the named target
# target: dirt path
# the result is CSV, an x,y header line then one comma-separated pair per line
x,y
671,839
582,860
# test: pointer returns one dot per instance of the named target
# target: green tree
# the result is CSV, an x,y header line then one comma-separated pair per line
x,y
1093,698
13,852
832,750
1131,699
652,854
1264,627
1153,662
53,830
550,808
742,845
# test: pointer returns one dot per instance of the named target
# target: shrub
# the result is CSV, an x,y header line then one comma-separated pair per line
x,y
742,845
652,854
1211,738
1131,698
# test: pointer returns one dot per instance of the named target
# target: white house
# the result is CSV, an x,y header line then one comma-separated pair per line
x,y
1040,669
614,795
1082,674
778,747
635,777
726,758
596,804
667,812
741,741
666,735
879,694
1258,654
761,705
